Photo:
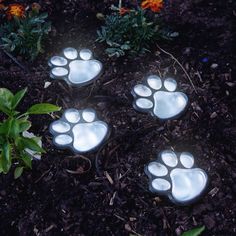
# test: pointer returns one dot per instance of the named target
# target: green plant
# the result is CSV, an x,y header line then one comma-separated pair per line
x,y
130,31
24,35
13,144
194,232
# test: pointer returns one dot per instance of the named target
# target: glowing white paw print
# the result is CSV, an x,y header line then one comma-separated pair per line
x,y
75,68
159,98
176,176
79,130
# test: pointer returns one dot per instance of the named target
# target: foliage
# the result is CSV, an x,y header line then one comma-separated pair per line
x,y
13,144
130,31
194,232
24,35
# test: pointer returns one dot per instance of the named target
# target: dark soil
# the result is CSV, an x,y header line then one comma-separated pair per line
x,y
112,197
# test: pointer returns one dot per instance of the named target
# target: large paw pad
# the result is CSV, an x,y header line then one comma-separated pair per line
x,y
79,130
75,68
176,176
159,98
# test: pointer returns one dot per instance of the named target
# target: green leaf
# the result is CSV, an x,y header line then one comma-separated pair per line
x,y
1,169
125,47
27,161
10,128
18,172
6,97
5,127
24,125
14,129
194,232
17,98
30,143
43,15
6,157
2,128
5,109
1,140
42,108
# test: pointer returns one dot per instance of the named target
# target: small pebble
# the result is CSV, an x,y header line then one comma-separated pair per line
x,y
187,51
213,115
47,84
214,66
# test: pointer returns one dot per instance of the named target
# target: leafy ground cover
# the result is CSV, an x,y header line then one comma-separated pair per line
x,y
108,194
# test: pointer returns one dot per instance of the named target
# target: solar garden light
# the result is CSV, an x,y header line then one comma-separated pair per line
x,y
159,98
176,176
76,68
79,130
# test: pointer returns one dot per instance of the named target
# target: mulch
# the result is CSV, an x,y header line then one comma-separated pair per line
x,y
110,196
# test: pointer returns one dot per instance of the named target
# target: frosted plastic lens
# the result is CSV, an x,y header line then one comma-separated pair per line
x,y
70,53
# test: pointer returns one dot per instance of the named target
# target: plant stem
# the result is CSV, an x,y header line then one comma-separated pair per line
x,y
15,60
176,60
20,116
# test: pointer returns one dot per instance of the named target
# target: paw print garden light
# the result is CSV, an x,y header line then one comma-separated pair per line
x,y
76,68
176,176
79,130
159,98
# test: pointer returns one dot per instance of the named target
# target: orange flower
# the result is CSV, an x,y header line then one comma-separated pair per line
x,y
123,11
154,5
16,10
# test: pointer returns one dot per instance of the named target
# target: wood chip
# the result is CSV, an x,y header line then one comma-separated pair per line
x,y
112,199
47,84
108,177
128,228
213,192
213,115
230,84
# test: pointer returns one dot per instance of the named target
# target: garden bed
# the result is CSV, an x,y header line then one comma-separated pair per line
x,y
112,197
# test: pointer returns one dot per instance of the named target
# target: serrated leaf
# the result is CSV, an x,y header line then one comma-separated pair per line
x,y
6,40
17,98
44,15
18,172
42,108
125,47
194,232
